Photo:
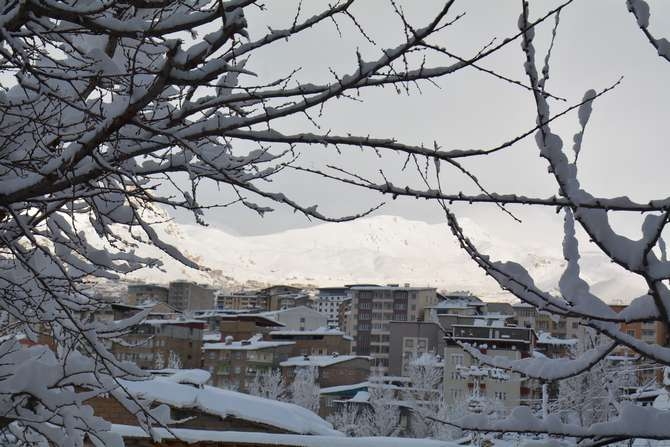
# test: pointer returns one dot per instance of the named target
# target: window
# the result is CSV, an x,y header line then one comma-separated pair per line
x,y
631,333
409,342
500,395
457,359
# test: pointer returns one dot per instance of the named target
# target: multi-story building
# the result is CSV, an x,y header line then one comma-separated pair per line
x,y
410,339
329,301
246,300
374,307
300,318
465,378
139,293
152,343
186,295
318,342
234,364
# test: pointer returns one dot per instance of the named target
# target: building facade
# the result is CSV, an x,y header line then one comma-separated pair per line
x,y
186,295
328,302
234,364
139,293
151,343
372,310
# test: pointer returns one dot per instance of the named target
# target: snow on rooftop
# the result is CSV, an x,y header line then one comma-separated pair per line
x,y
344,388
319,331
156,322
226,403
247,345
184,376
320,361
273,439
547,339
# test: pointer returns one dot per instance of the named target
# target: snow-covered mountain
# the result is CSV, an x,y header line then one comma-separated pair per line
x,y
382,249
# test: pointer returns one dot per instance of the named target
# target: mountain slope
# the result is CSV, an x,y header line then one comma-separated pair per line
x,y
382,249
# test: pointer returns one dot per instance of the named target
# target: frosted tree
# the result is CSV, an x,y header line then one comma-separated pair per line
x,y
351,420
159,361
112,109
383,410
174,361
268,384
304,388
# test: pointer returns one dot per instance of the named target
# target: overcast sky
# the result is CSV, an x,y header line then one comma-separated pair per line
x,y
624,150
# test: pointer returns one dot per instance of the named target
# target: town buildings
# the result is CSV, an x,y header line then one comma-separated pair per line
x,y
374,307
154,342
234,364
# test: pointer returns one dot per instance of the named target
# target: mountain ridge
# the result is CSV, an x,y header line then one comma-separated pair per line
x,y
379,249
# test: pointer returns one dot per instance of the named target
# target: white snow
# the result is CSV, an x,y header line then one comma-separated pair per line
x,y
320,361
226,403
278,439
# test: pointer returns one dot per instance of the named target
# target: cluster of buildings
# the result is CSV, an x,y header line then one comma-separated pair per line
x,y
349,333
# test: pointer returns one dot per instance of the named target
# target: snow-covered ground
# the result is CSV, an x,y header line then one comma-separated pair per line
x,y
381,249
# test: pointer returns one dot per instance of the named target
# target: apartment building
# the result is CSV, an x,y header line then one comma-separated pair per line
x,y
151,343
329,301
140,293
465,378
374,307
234,364
246,300
410,339
186,295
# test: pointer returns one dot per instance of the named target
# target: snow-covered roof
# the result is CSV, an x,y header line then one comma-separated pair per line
x,y
344,388
410,288
247,345
273,439
547,339
211,337
185,376
319,331
226,403
320,361
157,322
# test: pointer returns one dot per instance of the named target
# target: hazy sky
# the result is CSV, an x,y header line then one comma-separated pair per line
x,y
625,146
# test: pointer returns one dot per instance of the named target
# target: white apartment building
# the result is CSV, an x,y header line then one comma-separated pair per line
x,y
328,302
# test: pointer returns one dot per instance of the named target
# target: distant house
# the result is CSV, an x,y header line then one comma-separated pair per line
x,y
333,370
300,318
154,340
234,364
320,341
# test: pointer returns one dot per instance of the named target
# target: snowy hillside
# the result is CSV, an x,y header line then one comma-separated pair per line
x,y
380,249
